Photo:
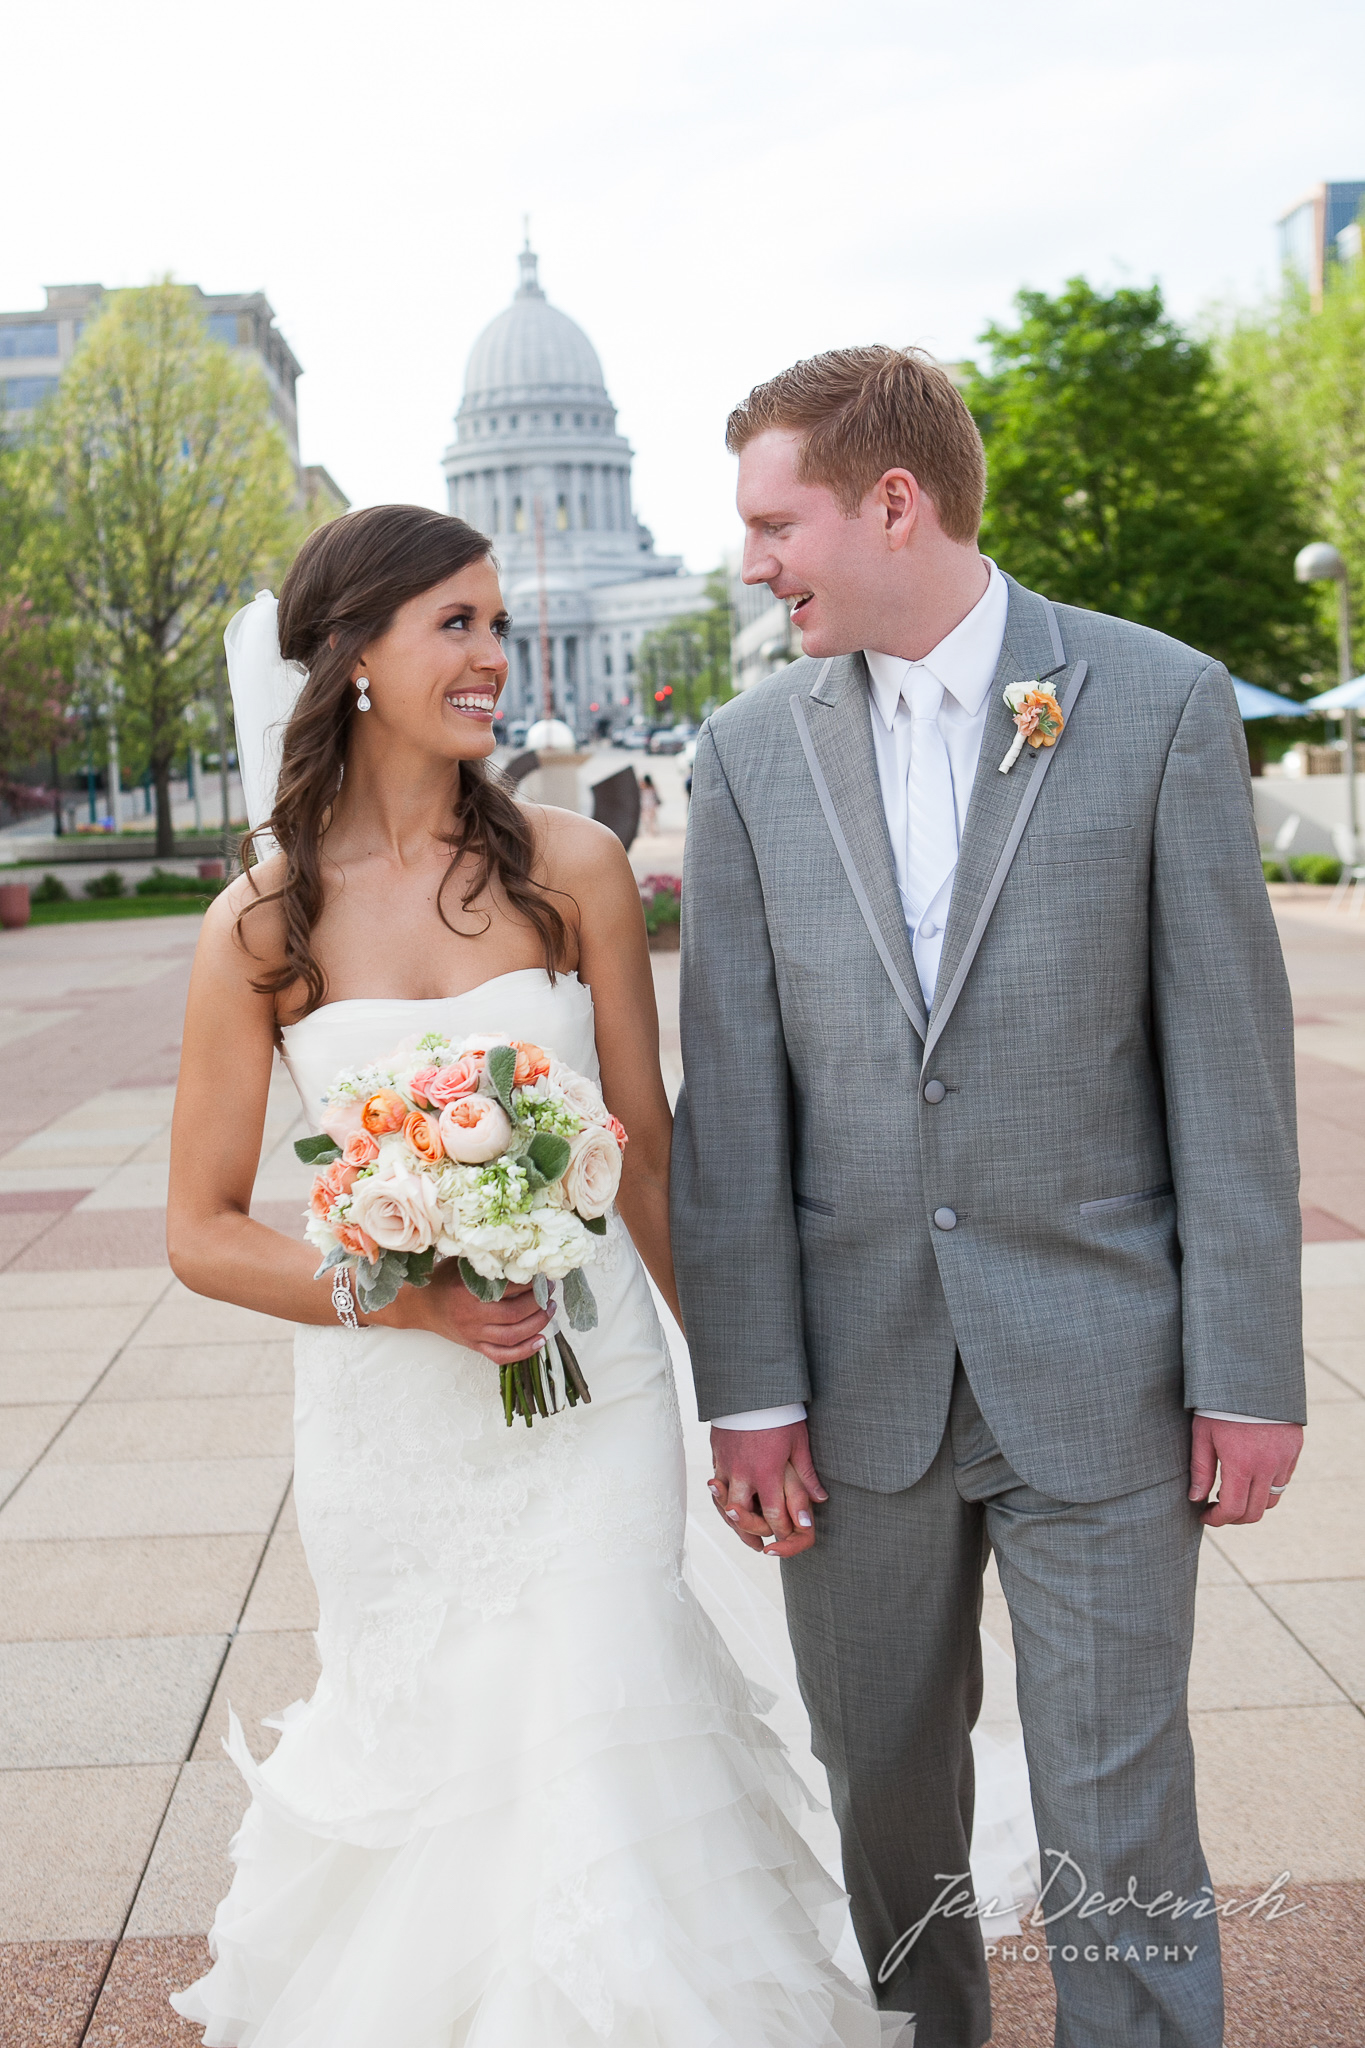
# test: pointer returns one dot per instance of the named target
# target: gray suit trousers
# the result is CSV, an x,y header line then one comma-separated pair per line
x,y
884,1616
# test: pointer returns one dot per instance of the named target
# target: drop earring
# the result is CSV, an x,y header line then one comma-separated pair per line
x,y
362,702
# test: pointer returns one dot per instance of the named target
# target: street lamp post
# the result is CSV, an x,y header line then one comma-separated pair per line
x,y
1320,562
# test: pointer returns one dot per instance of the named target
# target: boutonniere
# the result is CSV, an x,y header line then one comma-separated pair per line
x,y
1037,718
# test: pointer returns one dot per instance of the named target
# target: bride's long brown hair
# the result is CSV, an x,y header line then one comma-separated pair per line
x,y
345,585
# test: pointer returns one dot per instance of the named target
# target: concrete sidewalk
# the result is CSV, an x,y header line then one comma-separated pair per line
x,y
149,1564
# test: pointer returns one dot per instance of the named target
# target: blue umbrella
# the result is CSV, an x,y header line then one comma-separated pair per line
x,y
1254,702
1345,697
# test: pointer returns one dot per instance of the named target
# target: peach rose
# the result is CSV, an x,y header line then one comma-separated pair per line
x,y
532,1063
475,1129
448,1084
339,1119
360,1149
401,1214
357,1241
385,1111
420,1082
593,1173
618,1131
422,1135
334,1181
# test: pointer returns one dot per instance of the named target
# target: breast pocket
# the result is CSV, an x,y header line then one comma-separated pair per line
x,y
1108,842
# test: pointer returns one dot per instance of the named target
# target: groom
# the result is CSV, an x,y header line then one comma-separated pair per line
x,y
985,1186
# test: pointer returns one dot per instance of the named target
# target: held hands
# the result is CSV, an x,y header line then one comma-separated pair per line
x,y
1255,1459
764,1485
502,1330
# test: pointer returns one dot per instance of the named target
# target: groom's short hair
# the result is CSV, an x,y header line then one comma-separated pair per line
x,y
862,411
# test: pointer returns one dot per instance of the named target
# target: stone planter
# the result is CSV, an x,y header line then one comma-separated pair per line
x,y
14,905
212,870
667,939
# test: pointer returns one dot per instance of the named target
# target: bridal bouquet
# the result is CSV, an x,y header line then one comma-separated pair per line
x,y
492,1152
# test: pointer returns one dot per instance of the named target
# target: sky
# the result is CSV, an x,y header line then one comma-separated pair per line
x,y
715,188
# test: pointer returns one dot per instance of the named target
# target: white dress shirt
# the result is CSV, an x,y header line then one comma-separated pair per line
x,y
964,664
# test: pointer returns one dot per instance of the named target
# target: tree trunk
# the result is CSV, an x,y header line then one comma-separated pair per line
x,y
165,830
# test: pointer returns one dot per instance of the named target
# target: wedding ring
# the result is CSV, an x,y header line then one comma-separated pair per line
x,y
1279,1489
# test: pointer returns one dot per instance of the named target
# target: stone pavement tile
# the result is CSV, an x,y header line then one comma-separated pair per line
x,y
189,1871
64,1705
114,1237
1245,1657
284,1596
134,1186
76,1843
100,1326
1333,1265
27,1430
70,1589
221,1426
45,1377
18,1230
21,1182
1333,1312
203,1497
1325,1206
94,1288
10,1475
47,1990
1343,1356
186,1318
1316,1532
1323,1385
1307,1765
175,1372
288,1524
264,1673
1214,1569
134,2009
1333,1443
1329,1619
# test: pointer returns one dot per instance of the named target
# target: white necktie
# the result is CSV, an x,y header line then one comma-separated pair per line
x,y
931,814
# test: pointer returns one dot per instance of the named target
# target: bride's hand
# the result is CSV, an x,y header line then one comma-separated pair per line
x,y
502,1330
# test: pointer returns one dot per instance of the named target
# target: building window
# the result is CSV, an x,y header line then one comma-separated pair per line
x,y
524,663
492,426
630,662
571,660
518,516
559,419
535,421
594,419
512,420
578,419
583,510
497,516
562,513
21,394
223,327
606,662
37,339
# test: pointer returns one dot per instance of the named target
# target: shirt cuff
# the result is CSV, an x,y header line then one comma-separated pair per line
x,y
1221,1415
762,1418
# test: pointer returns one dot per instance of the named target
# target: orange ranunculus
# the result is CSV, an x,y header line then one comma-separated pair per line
x,y
618,1131
334,1181
360,1149
356,1240
385,1111
422,1135
533,1063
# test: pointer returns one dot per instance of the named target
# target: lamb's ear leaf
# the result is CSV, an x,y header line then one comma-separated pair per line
x,y
540,1288
534,1177
549,1153
335,1257
579,1302
479,1287
596,1224
377,1285
318,1151
502,1068
420,1265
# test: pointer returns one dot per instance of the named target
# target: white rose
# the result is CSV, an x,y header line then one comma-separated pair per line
x,y
593,1173
475,1128
579,1093
401,1214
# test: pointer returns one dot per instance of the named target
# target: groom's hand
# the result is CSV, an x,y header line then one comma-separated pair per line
x,y
764,1485
1254,1462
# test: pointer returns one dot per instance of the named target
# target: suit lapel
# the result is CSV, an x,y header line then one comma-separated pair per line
x,y
1000,804
834,725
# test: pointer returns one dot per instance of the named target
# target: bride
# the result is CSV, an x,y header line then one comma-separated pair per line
x,y
531,1803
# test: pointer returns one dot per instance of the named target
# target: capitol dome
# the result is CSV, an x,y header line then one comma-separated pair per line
x,y
532,351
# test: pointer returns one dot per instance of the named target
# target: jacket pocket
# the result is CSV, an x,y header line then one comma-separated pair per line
x,y
1126,1201
816,1208
1110,842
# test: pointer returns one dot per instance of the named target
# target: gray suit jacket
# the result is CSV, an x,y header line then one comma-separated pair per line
x,y
1113,1034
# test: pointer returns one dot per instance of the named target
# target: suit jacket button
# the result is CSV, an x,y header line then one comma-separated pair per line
x,y
934,1091
945,1219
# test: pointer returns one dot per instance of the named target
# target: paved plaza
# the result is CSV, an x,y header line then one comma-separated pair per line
x,y
150,1567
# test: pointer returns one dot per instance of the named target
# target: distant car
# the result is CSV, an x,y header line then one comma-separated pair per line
x,y
667,740
516,732
634,738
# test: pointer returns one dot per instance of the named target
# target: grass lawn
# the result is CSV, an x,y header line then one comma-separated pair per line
x,y
86,908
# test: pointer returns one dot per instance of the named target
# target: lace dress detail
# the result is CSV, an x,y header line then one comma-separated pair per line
x,y
531,1799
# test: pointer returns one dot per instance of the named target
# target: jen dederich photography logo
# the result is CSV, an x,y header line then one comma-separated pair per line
x,y
1067,1894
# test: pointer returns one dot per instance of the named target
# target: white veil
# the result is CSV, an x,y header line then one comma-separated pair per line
x,y
265,689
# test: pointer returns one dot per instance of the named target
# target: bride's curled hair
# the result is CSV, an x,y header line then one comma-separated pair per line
x,y
346,583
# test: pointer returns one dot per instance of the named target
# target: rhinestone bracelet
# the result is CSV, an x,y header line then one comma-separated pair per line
x,y
342,1300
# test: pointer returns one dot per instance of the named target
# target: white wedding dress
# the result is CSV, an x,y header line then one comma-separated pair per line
x,y
532,1803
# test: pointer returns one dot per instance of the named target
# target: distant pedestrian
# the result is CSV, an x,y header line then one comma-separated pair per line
x,y
649,805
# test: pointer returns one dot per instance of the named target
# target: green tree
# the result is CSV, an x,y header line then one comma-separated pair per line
x,y
1303,376
684,667
161,487
1128,476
